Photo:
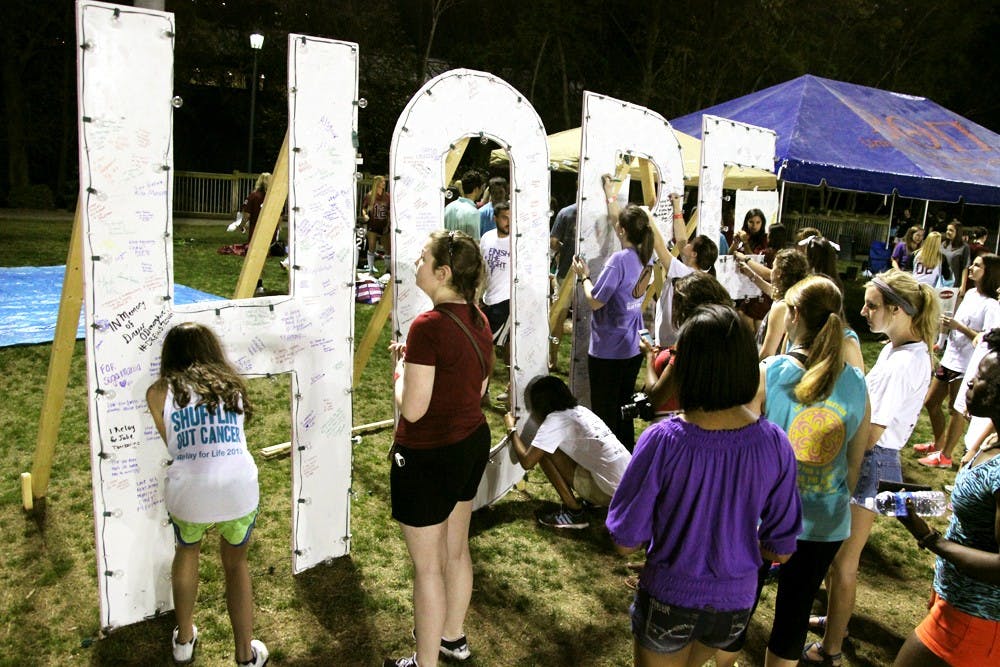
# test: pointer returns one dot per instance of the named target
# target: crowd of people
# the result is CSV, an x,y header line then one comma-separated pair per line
x,y
764,451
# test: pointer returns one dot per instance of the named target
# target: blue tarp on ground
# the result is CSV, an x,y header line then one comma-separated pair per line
x,y
29,303
869,140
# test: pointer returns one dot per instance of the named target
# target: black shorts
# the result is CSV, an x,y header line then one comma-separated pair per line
x,y
947,375
497,315
426,484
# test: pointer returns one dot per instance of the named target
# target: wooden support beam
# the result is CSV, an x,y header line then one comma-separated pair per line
x,y
648,176
364,350
267,222
274,451
453,159
59,362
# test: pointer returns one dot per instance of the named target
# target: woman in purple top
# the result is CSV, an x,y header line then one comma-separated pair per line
x,y
902,254
616,298
697,488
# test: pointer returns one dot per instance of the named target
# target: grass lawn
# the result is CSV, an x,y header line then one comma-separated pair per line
x,y
540,598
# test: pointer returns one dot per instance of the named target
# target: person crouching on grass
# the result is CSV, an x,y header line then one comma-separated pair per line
x,y
576,450
199,405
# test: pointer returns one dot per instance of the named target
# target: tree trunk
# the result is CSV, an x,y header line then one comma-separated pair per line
x,y
538,65
565,85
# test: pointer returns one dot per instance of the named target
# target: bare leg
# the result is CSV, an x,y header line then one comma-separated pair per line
x,y
956,425
458,573
428,549
694,654
914,654
184,580
239,596
771,660
935,395
562,486
844,580
726,658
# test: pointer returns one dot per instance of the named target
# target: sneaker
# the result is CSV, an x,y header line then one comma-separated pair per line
x,y
408,661
260,654
455,649
184,653
935,460
925,448
565,518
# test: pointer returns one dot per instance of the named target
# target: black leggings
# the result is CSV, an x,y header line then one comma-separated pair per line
x,y
798,581
612,383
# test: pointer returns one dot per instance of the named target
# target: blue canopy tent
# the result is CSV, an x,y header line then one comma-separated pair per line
x,y
868,140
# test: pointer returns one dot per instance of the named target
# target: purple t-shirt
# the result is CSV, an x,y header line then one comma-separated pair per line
x,y
903,256
614,329
697,497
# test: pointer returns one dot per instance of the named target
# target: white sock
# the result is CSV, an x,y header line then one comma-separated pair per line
x,y
371,259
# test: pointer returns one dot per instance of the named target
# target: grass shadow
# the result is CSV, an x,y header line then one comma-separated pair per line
x,y
145,643
335,598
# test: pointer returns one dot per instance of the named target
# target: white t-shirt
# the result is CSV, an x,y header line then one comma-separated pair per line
x,y
927,275
496,254
212,476
897,384
583,437
972,313
991,320
666,335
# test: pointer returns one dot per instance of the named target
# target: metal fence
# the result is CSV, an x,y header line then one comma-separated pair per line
x,y
854,235
204,195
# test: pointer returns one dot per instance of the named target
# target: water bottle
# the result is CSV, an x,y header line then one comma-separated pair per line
x,y
925,503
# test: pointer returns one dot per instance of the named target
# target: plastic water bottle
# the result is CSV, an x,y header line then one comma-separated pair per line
x,y
925,503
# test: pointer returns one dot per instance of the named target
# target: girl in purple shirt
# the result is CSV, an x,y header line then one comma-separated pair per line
x,y
710,494
616,296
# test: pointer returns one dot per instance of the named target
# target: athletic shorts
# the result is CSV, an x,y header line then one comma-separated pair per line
x,y
959,638
497,315
879,463
234,531
426,484
664,628
587,488
947,375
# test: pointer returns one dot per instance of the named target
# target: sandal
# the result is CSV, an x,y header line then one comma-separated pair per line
x,y
818,625
825,658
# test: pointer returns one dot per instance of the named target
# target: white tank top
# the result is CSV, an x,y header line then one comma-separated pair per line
x,y
212,476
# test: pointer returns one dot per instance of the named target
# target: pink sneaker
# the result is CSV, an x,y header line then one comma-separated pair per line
x,y
925,448
935,460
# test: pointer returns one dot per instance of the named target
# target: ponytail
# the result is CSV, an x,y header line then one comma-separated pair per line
x,y
926,321
818,302
826,358
638,230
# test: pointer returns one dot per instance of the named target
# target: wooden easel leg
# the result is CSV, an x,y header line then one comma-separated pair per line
x,y
37,483
267,222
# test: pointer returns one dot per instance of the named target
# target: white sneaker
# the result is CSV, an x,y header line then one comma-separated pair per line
x,y
260,654
184,653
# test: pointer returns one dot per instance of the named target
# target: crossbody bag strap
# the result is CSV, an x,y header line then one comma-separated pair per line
x,y
461,324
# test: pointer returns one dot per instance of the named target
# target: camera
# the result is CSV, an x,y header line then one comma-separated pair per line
x,y
639,406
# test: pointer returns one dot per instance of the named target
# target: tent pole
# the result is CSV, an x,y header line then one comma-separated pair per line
x,y
892,212
927,206
781,201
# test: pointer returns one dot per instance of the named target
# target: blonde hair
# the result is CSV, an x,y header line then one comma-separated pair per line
x,y
930,252
263,181
818,301
921,298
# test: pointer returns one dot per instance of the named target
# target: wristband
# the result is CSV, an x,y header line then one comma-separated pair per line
x,y
611,200
929,540
395,376
678,216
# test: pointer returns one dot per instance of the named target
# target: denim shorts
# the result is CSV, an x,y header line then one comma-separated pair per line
x,y
664,628
879,463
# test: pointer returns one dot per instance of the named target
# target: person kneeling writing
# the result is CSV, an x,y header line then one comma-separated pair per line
x,y
576,450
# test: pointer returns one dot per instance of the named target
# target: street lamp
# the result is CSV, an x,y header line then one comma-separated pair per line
x,y
256,43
